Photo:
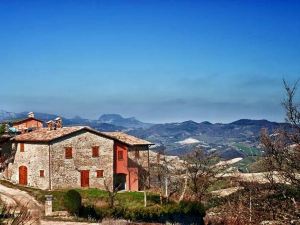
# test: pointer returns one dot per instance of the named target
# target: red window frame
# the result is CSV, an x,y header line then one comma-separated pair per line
x,y
120,155
42,173
99,173
95,151
68,152
22,147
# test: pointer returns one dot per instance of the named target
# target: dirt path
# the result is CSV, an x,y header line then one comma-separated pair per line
x,y
106,222
22,202
255,177
45,222
226,191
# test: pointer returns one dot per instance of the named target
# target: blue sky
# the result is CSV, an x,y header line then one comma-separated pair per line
x,y
160,61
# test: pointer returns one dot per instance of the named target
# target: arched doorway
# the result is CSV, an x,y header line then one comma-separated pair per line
x,y
120,181
23,175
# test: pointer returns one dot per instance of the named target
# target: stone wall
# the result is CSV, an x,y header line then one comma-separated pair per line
x,y
141,162
65,173
35,157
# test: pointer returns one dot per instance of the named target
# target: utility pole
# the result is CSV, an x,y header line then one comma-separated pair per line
x,y
166,187
250,207
250,201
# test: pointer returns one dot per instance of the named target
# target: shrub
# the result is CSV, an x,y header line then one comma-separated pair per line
x,y
192,208
148,214
2,129
89,212
72,202
193,212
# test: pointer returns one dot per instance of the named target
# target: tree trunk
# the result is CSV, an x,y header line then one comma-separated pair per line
x,y
160,198
111,201
145,197
184,188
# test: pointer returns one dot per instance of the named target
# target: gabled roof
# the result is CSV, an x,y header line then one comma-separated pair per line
x,y
127,139
22,120
44,135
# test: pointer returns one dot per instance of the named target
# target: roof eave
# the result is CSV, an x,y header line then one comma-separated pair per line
x,y
32,141
21,121
87,129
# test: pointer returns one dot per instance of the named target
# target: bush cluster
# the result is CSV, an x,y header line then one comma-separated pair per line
x,y
89,212
184,211
72,202
178,213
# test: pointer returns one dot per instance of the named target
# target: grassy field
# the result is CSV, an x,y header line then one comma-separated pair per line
x,y
245,165
250,151
99,197
91,196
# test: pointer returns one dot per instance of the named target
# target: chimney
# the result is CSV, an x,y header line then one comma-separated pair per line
x,y
30,115
50,125
58,122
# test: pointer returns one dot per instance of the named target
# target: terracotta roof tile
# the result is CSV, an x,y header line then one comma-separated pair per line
x,y
127,139
46,135
18,121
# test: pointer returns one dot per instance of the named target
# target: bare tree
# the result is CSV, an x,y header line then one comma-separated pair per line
x,y
282,149
16,215
144,182
278,199
202,172
111,190
282,156
167,176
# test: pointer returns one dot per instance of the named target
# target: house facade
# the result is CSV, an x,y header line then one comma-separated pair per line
x,y
13,128
27,124
74,157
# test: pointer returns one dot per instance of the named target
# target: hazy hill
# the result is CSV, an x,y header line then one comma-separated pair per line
x,y
237,139
118,120
102,126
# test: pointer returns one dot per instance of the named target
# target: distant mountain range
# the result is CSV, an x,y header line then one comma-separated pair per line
x,y
236,139
106,122
228,139
118,120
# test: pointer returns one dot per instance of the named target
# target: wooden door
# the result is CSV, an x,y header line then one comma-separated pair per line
x,y
23,175
85,178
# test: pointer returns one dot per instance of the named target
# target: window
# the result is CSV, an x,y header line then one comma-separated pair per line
x,y
120,155
68,153
99,173
22,147
137,154
95,151
42,173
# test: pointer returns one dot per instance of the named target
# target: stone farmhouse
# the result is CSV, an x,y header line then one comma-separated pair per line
x,y
59,157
